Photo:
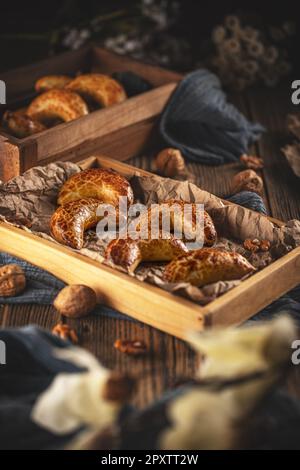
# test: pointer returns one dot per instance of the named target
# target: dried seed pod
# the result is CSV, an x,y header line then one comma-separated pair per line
x,y
75,301
252,162
170,162
12,280
65,332
247,180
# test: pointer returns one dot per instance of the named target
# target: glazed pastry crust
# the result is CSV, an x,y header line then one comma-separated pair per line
x,y
128,253
51,81
20,125
210,234
207,265
99,183
57,104
69,222
102,89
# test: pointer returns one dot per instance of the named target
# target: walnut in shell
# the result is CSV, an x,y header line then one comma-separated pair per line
x,y
75,301
170,162
12,280
247,180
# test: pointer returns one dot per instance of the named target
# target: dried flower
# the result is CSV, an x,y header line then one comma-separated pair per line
x,y
232,22
218,34
255,49
271,55
232,46
249,34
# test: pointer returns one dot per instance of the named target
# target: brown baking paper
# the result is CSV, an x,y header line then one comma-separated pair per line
x,y
28,201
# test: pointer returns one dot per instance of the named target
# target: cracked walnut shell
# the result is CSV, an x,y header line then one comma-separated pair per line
x,y
12,280
75,301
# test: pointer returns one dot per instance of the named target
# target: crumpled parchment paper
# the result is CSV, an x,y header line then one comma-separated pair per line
x,y
28,201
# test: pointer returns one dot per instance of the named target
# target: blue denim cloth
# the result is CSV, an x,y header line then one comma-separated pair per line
x,y
200,122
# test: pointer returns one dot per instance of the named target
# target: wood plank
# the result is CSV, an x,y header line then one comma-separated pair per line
x,y
18,315
120,144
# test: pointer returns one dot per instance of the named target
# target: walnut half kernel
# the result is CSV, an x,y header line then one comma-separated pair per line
x,y
12,280
257,245
131,347
65,332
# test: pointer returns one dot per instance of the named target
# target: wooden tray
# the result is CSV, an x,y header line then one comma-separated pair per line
x,y
143,301
82,137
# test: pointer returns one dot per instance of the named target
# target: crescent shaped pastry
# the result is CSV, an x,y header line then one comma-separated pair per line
x,y
99,88
57,104
51,81
128,253
99,183
210,234
206,266
20,125
69,222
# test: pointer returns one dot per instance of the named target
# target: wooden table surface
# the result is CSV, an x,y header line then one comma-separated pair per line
x,y
170,359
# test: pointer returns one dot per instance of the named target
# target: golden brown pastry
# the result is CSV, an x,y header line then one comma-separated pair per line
x,y
128,253
20,125
69,222
210,234
206,266
63,105
98,88
99,183
51,81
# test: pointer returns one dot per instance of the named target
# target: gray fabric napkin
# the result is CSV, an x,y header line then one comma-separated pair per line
x,y
203,125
